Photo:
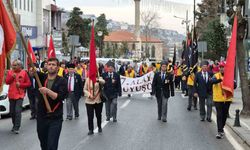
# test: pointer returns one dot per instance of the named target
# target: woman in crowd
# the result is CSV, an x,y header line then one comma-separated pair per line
x,y
93,103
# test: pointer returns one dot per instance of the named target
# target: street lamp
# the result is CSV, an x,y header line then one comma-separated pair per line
x,y
100,34
185,21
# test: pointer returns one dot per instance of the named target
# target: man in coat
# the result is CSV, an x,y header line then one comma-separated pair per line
x,y
203,90
75,89
112,89
163,88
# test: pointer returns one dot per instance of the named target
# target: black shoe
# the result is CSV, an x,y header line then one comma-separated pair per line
x,y
209,120
195,108
189,109
76,116
164,120
219,135
16,131
186,95
114,120
90,133
108,119
32,118
100,130
202,119
159,118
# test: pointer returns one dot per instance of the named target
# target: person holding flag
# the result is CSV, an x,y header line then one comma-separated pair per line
x,y
92,89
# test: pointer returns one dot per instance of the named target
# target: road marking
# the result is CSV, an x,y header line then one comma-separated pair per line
x,y
183,96
229,136
146,95
103,125
125,104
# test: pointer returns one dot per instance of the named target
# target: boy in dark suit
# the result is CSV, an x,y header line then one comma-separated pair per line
x,y
112,89
203,90
163,87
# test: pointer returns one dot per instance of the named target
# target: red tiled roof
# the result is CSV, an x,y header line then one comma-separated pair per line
x,y
121,36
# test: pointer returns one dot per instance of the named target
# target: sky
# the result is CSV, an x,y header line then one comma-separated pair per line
x,y
123,10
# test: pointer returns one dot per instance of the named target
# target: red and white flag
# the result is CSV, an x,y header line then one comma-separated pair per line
x,y
51,49
32,54
228,81
7,39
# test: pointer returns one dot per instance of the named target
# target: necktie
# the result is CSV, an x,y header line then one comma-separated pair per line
x,y
69,85
163,77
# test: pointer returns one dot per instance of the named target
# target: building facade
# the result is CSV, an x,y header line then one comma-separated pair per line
x,y
38,19
151,48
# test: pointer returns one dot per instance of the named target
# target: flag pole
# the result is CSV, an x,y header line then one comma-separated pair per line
x,y
29,58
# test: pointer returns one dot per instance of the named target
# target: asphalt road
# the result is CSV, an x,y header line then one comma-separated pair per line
x,y
137,129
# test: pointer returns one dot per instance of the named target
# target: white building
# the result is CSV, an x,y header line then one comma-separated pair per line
x,y
37,19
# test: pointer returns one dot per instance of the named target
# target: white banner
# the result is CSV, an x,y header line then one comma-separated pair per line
x,y
138,85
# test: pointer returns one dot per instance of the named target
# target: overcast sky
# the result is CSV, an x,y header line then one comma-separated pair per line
x,y
123,10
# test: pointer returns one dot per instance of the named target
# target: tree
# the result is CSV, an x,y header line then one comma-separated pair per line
x,y
208,11
75,24
123,49
150,20
101,25
241,54
216,40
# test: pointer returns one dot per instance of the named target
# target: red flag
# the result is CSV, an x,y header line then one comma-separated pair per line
x,y
92,57
51,49
31,52
228,81
7,39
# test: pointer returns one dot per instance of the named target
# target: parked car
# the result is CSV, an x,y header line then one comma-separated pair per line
x,y
4,101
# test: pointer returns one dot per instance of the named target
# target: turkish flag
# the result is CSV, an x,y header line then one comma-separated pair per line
x,y
31,52
7,39
92,55
228,81
51,49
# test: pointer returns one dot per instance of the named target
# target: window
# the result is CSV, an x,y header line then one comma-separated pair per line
x,y
153,51
28,5
16,3
133,46
31,5
20,4
24,4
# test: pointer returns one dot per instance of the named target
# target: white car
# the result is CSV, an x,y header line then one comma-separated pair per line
x,y
4,101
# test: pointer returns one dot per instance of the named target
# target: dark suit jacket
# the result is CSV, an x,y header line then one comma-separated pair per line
x,y
78,85
122,70
112,90
60,87
202,87
166,86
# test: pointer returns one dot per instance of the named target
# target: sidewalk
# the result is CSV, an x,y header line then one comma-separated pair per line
x,y
242,132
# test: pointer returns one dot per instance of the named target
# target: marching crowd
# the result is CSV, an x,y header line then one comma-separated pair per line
x,y
66,82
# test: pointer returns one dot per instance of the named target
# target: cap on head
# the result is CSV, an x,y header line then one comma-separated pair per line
x,y
71,65
164,63
110,64
203,63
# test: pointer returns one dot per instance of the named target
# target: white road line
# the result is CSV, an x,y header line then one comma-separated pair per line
x,y
125,104
182,95
229,136
104,123
146,95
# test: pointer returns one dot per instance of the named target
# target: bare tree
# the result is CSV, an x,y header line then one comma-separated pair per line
x,y
150,21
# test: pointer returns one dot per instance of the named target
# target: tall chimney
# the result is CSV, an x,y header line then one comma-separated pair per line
x,y
137,18
137,28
